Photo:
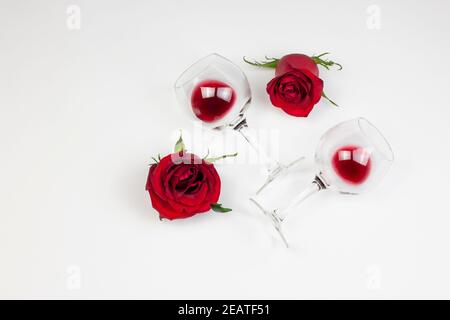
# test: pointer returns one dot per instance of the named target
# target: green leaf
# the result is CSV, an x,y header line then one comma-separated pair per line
x,y
268,63
217,207
211,160
179,146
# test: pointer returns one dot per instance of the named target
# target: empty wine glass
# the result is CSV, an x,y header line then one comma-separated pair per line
x,y
215,91
352,157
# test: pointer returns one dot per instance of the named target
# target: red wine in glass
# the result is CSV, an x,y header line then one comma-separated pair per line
x,y
211,100
352,164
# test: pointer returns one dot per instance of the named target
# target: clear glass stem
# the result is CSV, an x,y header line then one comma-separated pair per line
x,y
274,168
272,165
313,188
277,216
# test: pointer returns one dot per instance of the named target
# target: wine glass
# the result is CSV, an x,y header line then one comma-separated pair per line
x,y
215,91
352,157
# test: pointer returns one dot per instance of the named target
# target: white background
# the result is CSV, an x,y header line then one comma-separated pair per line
x,y
82,111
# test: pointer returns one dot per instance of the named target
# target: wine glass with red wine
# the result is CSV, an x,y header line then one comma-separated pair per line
x,y
352,157
215,91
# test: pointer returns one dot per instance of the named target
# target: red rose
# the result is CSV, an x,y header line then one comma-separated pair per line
x,y
296,87
296,92
182,185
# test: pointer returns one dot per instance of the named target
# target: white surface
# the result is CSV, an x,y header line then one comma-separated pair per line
x,y
82,111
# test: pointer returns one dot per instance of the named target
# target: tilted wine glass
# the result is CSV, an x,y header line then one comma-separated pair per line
x,y
352,157
216,91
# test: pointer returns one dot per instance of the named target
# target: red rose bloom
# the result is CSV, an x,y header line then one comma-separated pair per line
x,y
182,185
295,92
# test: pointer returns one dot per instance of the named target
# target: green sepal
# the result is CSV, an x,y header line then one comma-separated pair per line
x,y
213,159
268,63
217,207
179,146
324,62
331,101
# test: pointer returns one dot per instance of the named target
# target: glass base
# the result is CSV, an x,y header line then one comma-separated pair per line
x,y
279,215
279,171
274,219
